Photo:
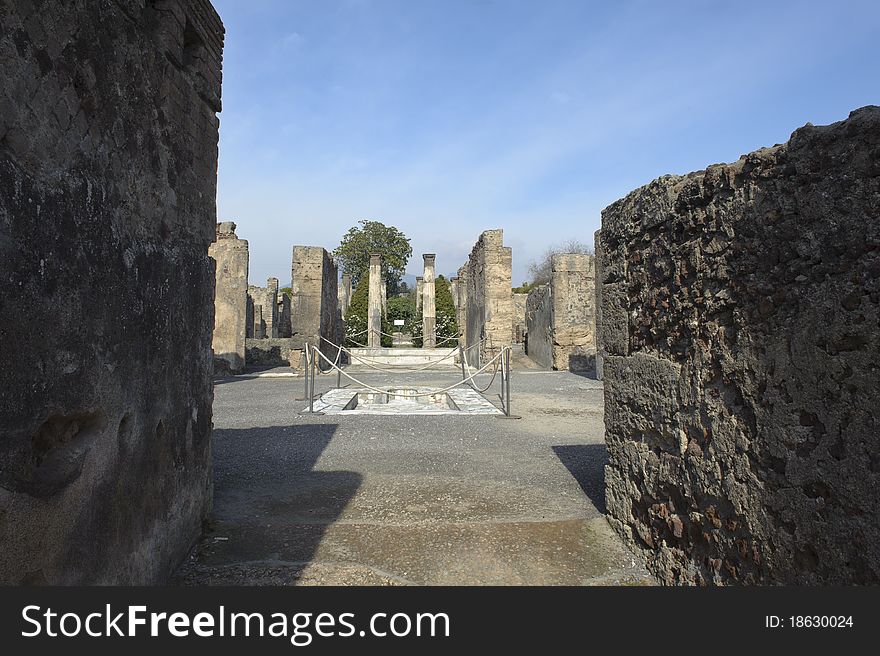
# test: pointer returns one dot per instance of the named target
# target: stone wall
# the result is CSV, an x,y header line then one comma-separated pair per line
x,y
315,301
600,349
561,317
518,305
230,255
275,352
108,169
489,305
741,307
574,312
539,326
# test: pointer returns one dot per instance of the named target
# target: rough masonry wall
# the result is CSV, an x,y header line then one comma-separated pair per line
x,y
315,303
573,335
518,306
539,326
108,168
741,320
489,305
230,255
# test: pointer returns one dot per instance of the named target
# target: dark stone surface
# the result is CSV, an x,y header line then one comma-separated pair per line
x,y
742,396
108,160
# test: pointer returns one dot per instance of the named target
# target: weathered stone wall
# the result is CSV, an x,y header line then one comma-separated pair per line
x,y
284,309
275,352
574,313
230,255
461,306
519,302
600,350
561,317
256,324
315,303
741,307
539,326
489,311
108,168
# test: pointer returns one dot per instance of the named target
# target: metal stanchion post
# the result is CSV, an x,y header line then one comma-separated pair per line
x,y
312,387
306,371
507,379
461,353
501,367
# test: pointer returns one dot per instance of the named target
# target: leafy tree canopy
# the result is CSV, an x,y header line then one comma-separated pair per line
x,y
353,253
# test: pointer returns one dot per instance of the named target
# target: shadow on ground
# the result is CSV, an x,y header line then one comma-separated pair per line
x,y
586,462
271,506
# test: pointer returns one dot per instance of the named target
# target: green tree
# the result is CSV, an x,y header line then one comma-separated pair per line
x,y
401,307
353,252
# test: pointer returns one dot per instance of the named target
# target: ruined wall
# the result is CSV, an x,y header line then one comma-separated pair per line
x,y
489,311
275,352
539,326
518,305
600,349
284,309
561,316
315,301
108,168
740,318
230,255
574,313
256,324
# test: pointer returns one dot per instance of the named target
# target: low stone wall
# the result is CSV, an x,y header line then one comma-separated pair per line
x,y
275,352
741,307
108,171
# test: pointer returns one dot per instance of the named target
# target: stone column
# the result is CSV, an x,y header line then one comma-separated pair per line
x,y
230,297
420,283
429,312
374,308
384,289
345,293
270,307
462,305
453,289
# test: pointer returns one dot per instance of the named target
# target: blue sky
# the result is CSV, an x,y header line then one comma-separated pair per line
x,y
449,117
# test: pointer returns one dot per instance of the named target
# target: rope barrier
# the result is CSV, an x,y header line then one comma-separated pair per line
x,y
365,360
413,396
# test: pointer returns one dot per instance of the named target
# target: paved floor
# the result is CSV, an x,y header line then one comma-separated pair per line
x,y
387,500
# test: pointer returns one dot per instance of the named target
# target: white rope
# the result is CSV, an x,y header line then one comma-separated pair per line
x,y
468,370
411,396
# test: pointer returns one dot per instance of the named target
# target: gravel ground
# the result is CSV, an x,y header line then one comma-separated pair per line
x,y
397,500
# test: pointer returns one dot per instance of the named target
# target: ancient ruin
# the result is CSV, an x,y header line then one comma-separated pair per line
x,y
740,310
721,428
374,310
106,216
230,255
561,317
429,319
485,297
